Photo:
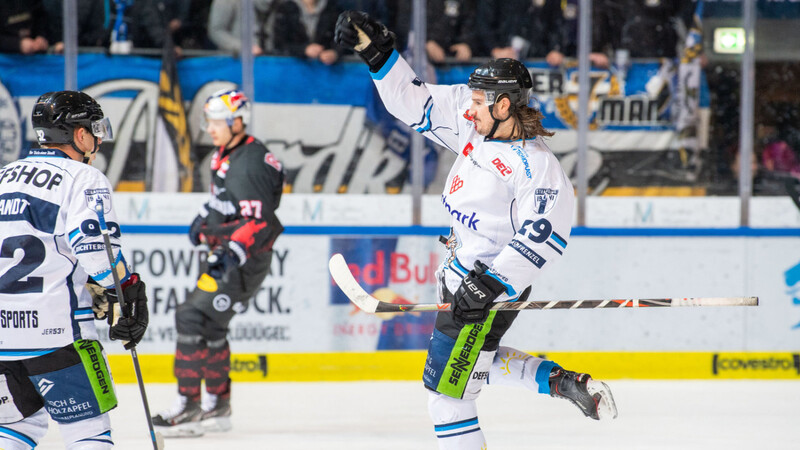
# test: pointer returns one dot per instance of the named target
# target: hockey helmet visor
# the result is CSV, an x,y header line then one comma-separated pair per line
x,y
101,129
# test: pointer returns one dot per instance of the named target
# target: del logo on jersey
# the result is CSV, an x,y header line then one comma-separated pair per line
x,y
93,196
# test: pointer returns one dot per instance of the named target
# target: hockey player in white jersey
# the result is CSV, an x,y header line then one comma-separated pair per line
x,y
51,362
511,208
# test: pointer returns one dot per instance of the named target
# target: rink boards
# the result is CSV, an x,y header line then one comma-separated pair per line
x,y
300,327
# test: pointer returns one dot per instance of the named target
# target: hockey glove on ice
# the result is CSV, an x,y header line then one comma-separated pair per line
x,y
135,316
195,230
224,258
475,296
370,39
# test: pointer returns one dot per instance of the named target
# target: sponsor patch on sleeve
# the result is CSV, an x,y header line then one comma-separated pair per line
x,y
535,258
271,160
95,196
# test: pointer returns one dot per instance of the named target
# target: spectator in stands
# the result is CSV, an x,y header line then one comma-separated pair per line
x,y
451,29
602,33
22,27
193,32
534,27
305,28
224,24
93,23
495,39
647,28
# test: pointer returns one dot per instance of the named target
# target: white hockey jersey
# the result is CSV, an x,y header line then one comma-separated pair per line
x,y
511,205
50,242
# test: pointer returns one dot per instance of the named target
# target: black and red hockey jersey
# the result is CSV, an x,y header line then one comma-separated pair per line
x,y
246,188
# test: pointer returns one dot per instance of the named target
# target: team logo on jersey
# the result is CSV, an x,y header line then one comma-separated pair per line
x,y
502,166
223,169
467,149
544,199
95,196
468,117
45,385
221,302
271,160
457,183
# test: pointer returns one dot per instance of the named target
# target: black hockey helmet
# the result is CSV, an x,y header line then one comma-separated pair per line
x,y
503,76
56,115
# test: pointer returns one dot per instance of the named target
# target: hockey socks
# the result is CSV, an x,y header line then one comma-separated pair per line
x,y
512,367
190,359
455,423
217,368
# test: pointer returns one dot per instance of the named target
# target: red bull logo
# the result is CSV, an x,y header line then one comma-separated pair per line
x,y
395,267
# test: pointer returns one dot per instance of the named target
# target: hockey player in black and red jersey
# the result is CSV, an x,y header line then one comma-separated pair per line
x,y
511,208
239,225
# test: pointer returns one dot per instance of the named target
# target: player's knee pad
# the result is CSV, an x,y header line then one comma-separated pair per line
x,y
24,434
89,434
188,320
455,421
512,367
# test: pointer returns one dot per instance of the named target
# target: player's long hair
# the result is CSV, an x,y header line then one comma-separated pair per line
x,y
528,123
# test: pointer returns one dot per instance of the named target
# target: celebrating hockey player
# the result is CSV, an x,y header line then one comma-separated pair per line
x,y
51,362
239,225
511,206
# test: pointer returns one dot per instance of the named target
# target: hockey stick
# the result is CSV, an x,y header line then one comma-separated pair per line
x,y
157,438
367,303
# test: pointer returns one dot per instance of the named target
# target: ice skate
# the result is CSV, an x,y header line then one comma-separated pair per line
x,y
592,397
216,415
182,420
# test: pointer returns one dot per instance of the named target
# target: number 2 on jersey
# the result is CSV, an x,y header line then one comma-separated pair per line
x,y
32,257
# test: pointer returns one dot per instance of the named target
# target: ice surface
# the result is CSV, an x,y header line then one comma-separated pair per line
x,y
392,415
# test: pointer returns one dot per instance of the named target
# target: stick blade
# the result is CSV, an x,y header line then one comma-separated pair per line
x,y
341,274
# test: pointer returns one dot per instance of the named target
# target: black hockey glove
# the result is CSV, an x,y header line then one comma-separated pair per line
x,y
224,258
475,296
135,316
195,228
370,39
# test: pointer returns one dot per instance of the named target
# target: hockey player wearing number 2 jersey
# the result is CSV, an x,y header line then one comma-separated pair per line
x,y
239,225
511,208
51,362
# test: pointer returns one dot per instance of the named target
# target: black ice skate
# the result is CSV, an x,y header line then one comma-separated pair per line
x,y
592,397
182,420
216,414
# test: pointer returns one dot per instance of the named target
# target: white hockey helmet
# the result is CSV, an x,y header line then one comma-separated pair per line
x,y
228,104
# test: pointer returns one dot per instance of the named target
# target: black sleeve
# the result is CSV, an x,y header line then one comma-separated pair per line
x,y
326,26
467,23
553,23
289,34
438,30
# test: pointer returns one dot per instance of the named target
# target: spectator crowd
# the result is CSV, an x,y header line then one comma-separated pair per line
x,y
456,29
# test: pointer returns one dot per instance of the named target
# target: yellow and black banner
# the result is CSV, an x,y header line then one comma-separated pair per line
x,y
172,148
407,366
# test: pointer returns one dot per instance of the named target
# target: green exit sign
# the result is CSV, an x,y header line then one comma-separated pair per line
x,y
729,40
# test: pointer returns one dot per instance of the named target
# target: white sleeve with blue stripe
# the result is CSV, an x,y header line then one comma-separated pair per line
x,y
544,207
433,110
83,227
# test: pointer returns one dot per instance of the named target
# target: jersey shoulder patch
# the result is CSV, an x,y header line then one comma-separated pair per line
x,y
500,166
271,160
